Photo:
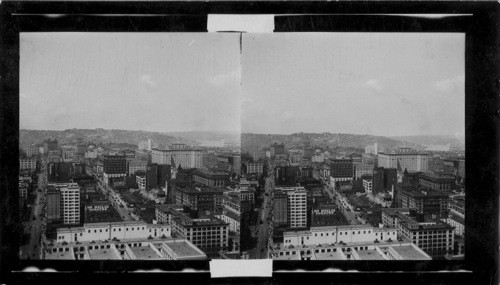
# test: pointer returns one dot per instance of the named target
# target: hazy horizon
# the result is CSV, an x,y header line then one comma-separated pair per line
x,y
215,131
386,84
144,81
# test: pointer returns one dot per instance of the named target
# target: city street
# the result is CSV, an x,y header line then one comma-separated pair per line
x,y
109,193
261,250
32,250
349,215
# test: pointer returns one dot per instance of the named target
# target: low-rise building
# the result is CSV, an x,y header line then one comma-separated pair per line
x,y
425,200
113,231
433,236
437,182
383,250
211,178
131,249
207,232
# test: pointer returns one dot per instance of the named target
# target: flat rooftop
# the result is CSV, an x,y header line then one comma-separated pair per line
x,y
330,256
407,252
183,249
145,252
370,255
287,257
59,255
100,254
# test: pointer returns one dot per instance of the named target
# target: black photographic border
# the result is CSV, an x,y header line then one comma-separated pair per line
x,y
482,127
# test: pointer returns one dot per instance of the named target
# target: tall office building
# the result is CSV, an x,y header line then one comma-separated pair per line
x,y
114,167
280,205
151,176
69,203
164,173
341,170
53,205
296,206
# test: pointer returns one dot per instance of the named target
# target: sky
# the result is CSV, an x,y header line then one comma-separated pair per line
x,y
159,82
389,84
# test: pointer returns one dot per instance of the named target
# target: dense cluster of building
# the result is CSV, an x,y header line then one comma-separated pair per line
x,y
111,202
399,191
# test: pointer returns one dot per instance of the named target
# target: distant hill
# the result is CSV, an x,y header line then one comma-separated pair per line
x,y
253,141
454,141
27,137
207,136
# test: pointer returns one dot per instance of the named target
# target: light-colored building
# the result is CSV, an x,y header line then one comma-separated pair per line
x,y
255,168
383,250
31,150
362,169
186,158
27,163
407,158
372,149
457,222
232,219
141,181
70,202
433,236
113,231
131,249
336,234
207,232
136,165
296,206
368,185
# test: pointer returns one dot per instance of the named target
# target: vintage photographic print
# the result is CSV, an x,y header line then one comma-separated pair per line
x,y
286,146
358,142
130,146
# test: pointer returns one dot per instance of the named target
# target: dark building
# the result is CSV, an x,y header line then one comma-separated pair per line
x,y
427,201
53,205
79,168
211,178
151,176
437,182
287,175
60,171
277,149
201,199
248,218
306,172
390,178
411,179
114,164
280,209
341,168
378,180
80,149
163,174
308,153
49,145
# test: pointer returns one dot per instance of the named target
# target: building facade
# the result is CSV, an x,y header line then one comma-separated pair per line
x,y
407,159
341,170
186,158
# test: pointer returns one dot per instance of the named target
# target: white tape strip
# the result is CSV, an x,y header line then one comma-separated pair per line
x,y
241,268
241,23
